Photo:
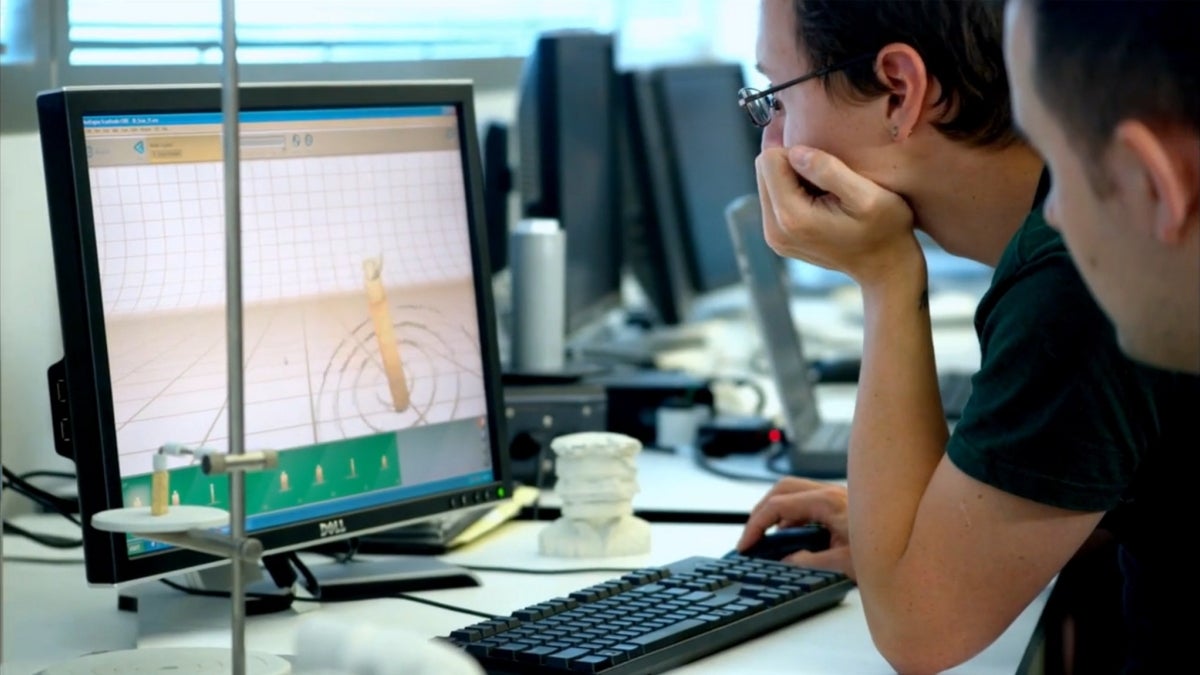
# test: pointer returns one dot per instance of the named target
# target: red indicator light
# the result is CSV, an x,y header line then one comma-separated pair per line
x,y
775,435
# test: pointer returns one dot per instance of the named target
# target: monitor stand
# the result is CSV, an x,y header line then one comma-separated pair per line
x,y
381,577
356,579
198,660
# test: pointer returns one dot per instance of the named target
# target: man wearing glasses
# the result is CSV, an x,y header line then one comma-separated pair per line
x,y
893,116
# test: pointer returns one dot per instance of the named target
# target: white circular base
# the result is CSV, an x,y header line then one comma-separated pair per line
x,y
170,660
176,519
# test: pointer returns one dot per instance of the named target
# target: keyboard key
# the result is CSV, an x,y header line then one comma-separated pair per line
x,y
536,654
563,659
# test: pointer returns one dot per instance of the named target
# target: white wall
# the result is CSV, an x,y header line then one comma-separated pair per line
x,y
29,330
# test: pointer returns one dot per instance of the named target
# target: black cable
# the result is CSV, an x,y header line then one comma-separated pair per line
x,y
524,570
706,464
272,602
48,540
54,503
760,395
774,458
65,475
442,605
41,500
310,580
41,561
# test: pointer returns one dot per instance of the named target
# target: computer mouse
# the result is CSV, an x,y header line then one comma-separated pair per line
x,y
783,542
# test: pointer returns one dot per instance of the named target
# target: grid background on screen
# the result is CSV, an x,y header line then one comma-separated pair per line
x,y
313,373
307,226
314,370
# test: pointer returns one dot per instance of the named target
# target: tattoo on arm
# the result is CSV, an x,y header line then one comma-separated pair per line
x,y
924,304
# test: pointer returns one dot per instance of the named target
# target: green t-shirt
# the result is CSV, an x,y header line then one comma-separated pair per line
x,y
1057,413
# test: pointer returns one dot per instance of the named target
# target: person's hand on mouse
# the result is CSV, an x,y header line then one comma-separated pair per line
x,y
848,223
799,501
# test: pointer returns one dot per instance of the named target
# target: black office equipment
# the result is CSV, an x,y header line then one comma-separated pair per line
x,y
567,159
953,385
535,414
785,541
712,150
635,397
652,620
817,447
351,193
655,251
497,185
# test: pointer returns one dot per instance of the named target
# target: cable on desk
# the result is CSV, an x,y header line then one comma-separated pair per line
x,y
64,475
773,460
264,603
706,464
760,396
442,605
525,570
60,505
47,540
42,561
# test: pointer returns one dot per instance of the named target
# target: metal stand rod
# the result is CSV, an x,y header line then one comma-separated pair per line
x,y
245,549
233,317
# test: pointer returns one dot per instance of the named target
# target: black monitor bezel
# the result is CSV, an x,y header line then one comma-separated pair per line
x,y
657,253
543,108
60,114
702,276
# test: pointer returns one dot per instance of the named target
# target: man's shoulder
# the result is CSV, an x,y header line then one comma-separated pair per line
x,y
1034,242
1036,277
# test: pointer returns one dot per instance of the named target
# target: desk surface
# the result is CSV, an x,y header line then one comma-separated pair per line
x,y
52,616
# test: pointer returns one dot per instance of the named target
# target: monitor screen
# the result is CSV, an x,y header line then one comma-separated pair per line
x,y
712,147
370,361
567,162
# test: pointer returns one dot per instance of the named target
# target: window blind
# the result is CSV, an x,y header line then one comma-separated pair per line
x,y
180,32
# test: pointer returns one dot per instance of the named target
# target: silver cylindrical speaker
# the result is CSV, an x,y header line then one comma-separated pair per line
x,y
537,260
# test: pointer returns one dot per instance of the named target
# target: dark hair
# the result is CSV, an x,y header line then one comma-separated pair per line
x,y
1096,64
959,40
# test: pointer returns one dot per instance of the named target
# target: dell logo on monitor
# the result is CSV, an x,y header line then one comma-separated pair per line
x,y
332,527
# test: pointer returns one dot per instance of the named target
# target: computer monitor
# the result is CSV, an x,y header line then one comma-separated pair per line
x,y
497,185
654,250
711,146
370,357
566,169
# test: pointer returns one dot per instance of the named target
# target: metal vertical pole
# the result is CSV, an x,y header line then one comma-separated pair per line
x,y
233,319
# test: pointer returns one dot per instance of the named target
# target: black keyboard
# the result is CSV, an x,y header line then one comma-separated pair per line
x,y
654,619
955,388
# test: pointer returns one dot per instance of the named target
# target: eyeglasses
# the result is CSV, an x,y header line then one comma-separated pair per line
x,y
761,105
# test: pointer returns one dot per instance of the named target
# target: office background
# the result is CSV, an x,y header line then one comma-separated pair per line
x,y
51,43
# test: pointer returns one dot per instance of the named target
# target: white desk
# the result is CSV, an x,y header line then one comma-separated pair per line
x,y
52,616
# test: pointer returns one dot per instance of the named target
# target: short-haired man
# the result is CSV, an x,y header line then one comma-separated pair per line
x,y
904,124
1110,95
